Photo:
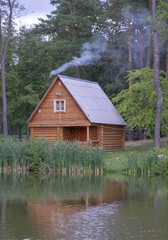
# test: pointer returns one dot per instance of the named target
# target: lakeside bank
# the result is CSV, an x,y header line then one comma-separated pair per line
x,y
29,155
139,157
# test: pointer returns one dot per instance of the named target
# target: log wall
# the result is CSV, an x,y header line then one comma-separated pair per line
x,y
93,133
113,137
48,133
100,136
107,137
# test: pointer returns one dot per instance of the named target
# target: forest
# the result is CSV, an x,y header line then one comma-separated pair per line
x,y
107,41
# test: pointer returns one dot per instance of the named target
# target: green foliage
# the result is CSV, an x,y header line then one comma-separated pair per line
x,y
162,9
115,168
34,154
20,103
137,104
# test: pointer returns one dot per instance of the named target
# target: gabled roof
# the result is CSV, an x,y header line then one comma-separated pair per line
x,y
92,100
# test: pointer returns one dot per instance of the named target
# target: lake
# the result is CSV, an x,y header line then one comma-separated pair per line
x,y
83,207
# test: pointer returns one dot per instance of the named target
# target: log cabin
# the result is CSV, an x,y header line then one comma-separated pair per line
x,y
78,110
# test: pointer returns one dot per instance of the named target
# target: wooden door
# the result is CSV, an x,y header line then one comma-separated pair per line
x,y
82,134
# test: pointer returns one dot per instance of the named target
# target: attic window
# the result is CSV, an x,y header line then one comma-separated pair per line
x,y
59,105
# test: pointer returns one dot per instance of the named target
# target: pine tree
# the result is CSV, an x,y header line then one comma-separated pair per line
x,y
156,77
73,23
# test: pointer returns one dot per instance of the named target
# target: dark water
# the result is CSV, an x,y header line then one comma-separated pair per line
x,y
55,207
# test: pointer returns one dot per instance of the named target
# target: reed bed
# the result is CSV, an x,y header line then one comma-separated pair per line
x,y
40,155
138,160
146,163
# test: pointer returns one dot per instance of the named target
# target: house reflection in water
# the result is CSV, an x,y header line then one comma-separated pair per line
x,y
53,217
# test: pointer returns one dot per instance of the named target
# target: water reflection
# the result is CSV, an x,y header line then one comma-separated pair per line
x,y
54,216
82,207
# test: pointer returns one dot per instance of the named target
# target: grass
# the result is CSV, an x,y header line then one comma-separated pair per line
x,y
138,158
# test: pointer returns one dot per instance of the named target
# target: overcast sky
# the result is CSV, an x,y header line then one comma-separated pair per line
x,y
34,9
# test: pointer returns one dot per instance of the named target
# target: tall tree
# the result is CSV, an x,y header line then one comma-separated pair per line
x,y
71,24
162,10
6,16
156,77
139,111
148,59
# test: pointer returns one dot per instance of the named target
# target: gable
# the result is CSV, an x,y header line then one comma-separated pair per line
x,y
93,101
45,114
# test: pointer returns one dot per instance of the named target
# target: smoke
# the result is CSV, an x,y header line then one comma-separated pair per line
x,y
91,53
139,17
140,30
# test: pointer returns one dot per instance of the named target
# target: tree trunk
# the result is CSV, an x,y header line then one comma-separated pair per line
x,y
11,130
4,111
150,4
130,47
141,66
4,46
20,132
1,128
149,50
3,212
148,62
130,133
141,47
167,61
145,135
1,120
27,131
156,77
74,36
140,134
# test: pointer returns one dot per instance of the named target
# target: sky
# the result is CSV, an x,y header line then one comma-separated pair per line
x,y
34,9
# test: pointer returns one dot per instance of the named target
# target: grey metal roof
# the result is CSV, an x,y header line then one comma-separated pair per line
x,y
93,101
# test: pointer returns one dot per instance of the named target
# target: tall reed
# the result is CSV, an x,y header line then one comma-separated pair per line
x,y
147,163
39,154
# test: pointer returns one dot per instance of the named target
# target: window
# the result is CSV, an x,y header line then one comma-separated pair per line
x,y
59,105
62,106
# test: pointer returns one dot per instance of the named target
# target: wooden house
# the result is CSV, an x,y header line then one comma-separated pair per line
x,y
78,110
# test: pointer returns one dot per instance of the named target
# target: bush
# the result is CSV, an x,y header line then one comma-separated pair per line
x,y
34,154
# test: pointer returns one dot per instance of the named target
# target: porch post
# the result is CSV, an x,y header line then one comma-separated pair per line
x,y
87,133
60,133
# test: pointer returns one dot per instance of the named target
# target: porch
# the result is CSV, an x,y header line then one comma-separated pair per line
x,y
82,134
